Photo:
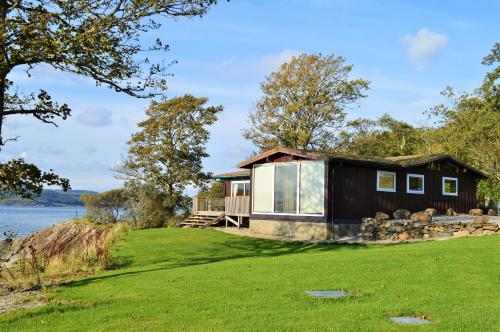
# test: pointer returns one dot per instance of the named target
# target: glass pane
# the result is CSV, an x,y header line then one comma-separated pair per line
x,y
312,184
386,181
416,183
241,189
450,186
263,186
285,188
247,189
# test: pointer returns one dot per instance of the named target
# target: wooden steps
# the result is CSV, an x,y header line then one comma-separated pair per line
x,y
201,220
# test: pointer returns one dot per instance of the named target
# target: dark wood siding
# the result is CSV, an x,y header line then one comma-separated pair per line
x,y
355,194
227,188
227,185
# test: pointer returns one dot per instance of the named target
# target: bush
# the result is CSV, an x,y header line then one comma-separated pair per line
x,y
106,207
146,207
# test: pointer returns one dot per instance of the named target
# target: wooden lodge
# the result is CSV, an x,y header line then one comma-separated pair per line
x,y
310,195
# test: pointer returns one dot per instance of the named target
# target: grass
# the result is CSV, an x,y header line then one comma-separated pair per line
x,y
203,280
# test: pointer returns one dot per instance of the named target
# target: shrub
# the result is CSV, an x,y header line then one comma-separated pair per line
x,y
106,207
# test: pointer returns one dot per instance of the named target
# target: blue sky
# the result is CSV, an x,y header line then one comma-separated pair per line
x,y
409,50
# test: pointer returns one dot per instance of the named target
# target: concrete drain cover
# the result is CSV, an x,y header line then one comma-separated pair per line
x,y
408,320
329,294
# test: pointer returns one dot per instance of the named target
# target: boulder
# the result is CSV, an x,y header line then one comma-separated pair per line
x,y
478,231
403,236
450,212
476,212
381,216
421,217
490,227
481,220
460,234
492,212
488,232
401,214
432,212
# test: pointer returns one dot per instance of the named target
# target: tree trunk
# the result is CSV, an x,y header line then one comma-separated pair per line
x,y
2,105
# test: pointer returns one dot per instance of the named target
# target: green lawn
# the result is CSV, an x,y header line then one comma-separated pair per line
x,y
204,280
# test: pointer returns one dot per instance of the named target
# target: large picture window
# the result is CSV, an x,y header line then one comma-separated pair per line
x,y
289,188
312,184
386,181
285,188
450,186
262,198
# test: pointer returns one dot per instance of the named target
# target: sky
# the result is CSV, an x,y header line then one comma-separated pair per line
x,y
408,50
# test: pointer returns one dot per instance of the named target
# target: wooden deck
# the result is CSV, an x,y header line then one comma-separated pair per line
x,y
232,208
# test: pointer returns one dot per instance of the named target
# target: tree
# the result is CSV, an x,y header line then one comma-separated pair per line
x,y
470,126
166,154
93,38
383,137
216,190
105,207
303,103
20,178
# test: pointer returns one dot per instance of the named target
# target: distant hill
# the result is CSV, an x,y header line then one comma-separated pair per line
x,y
50,197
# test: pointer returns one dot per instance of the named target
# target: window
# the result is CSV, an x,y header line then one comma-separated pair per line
x,y
289,188
240,188
285,188
450,186
386,181
263,176
415,183
312,187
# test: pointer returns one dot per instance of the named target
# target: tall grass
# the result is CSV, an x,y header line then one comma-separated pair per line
x,y
65,260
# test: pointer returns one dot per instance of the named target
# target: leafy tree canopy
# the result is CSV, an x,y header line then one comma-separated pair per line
x,y
99,39
303,103
383,137
167,153
216,190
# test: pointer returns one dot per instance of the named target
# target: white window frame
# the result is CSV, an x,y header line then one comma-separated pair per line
x,y
408,190
241,181
385,189
443,187
273,165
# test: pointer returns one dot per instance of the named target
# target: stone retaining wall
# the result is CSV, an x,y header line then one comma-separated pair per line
x,y
405,229
298,230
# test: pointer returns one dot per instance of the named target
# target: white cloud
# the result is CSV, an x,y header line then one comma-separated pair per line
x,y
424,44
96,118
272,62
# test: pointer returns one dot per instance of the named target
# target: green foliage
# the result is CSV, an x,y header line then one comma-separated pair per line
x,y
166,155
216,190
381,138
148,207
105,207
182,271
470,126
18,177
488,191
303,103
99,39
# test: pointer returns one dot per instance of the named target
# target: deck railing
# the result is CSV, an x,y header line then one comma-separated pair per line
x,y
207,204
231,206
238,206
